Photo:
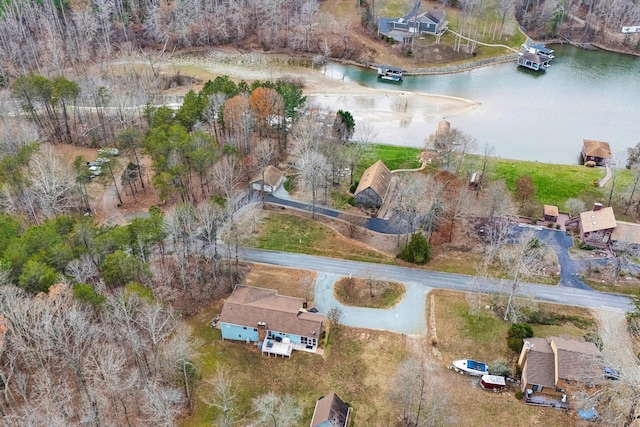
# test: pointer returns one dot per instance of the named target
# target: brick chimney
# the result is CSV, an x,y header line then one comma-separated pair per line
x,y
597,206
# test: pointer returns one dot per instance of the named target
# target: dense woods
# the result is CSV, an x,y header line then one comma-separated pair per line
x,y
89,327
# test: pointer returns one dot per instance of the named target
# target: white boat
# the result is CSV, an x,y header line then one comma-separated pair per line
x,y
470,367
387,72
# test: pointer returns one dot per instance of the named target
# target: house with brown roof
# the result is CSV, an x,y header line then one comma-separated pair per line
x,y
550,213
268,180
278,323
331,411
595,151
550,365
597,225
373,186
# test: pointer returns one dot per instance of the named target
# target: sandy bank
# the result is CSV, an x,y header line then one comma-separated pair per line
x,y
395,117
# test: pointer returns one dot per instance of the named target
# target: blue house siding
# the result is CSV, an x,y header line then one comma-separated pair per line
x,y
295,339
237,332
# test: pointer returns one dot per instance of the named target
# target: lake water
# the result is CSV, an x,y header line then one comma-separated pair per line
x,y
541,116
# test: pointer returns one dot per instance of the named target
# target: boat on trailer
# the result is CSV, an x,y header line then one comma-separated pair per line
x,y
387,72
494,383
470,367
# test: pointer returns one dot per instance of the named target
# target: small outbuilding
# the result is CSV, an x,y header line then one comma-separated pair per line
x,y
550,213
373,186
268,180
596,151
331,411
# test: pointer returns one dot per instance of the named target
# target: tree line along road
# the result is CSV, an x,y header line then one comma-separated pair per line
x,y
435,279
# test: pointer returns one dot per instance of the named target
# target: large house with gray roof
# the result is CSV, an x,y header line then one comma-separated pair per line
x,y
414,24
279,323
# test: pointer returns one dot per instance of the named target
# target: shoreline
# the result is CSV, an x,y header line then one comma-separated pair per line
x,y
401,118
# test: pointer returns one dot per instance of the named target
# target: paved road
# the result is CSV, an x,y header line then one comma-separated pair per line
x,y
433,279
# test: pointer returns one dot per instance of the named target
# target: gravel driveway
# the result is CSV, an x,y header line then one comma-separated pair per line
x,y
408,317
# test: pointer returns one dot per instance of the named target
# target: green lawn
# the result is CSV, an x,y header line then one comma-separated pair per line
x,y
291,233
554,183
392,156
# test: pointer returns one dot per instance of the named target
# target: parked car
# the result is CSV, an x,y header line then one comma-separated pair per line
x,y
611,373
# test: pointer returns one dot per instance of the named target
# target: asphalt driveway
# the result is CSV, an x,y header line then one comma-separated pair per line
x,y
408,317
561,242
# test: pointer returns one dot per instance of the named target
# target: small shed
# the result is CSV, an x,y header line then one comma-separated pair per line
x,y
595,151
475,180
330,411
268,180
373,186
444,127
550,213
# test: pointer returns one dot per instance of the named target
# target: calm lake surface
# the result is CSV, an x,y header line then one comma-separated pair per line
x,y
541,116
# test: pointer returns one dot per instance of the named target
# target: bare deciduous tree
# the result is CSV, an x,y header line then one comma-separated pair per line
x,y
279,411
415,396
521,259
224,397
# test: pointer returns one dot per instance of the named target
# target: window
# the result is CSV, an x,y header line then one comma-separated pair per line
x,y
244,327
255,329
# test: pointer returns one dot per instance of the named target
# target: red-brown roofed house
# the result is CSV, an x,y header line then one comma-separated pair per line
x,y
597,225
280,322
551,213
595,151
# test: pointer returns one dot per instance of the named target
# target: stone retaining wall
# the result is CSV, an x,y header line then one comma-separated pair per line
x,y
461,67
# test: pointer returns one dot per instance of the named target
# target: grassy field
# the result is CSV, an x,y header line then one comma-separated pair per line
x,y
392,156
554,183
290,233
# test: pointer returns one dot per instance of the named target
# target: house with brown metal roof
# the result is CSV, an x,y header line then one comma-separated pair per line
x,y
373,186
550,213
550,365
278,323
268,180
595,151
597,225
330,411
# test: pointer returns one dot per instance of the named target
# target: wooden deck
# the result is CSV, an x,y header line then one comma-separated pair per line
x,y
271,346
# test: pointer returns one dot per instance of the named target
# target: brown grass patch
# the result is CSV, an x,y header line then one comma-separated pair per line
x,y
359,292
285,280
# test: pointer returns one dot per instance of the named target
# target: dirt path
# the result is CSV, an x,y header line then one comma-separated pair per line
x,y
618,350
